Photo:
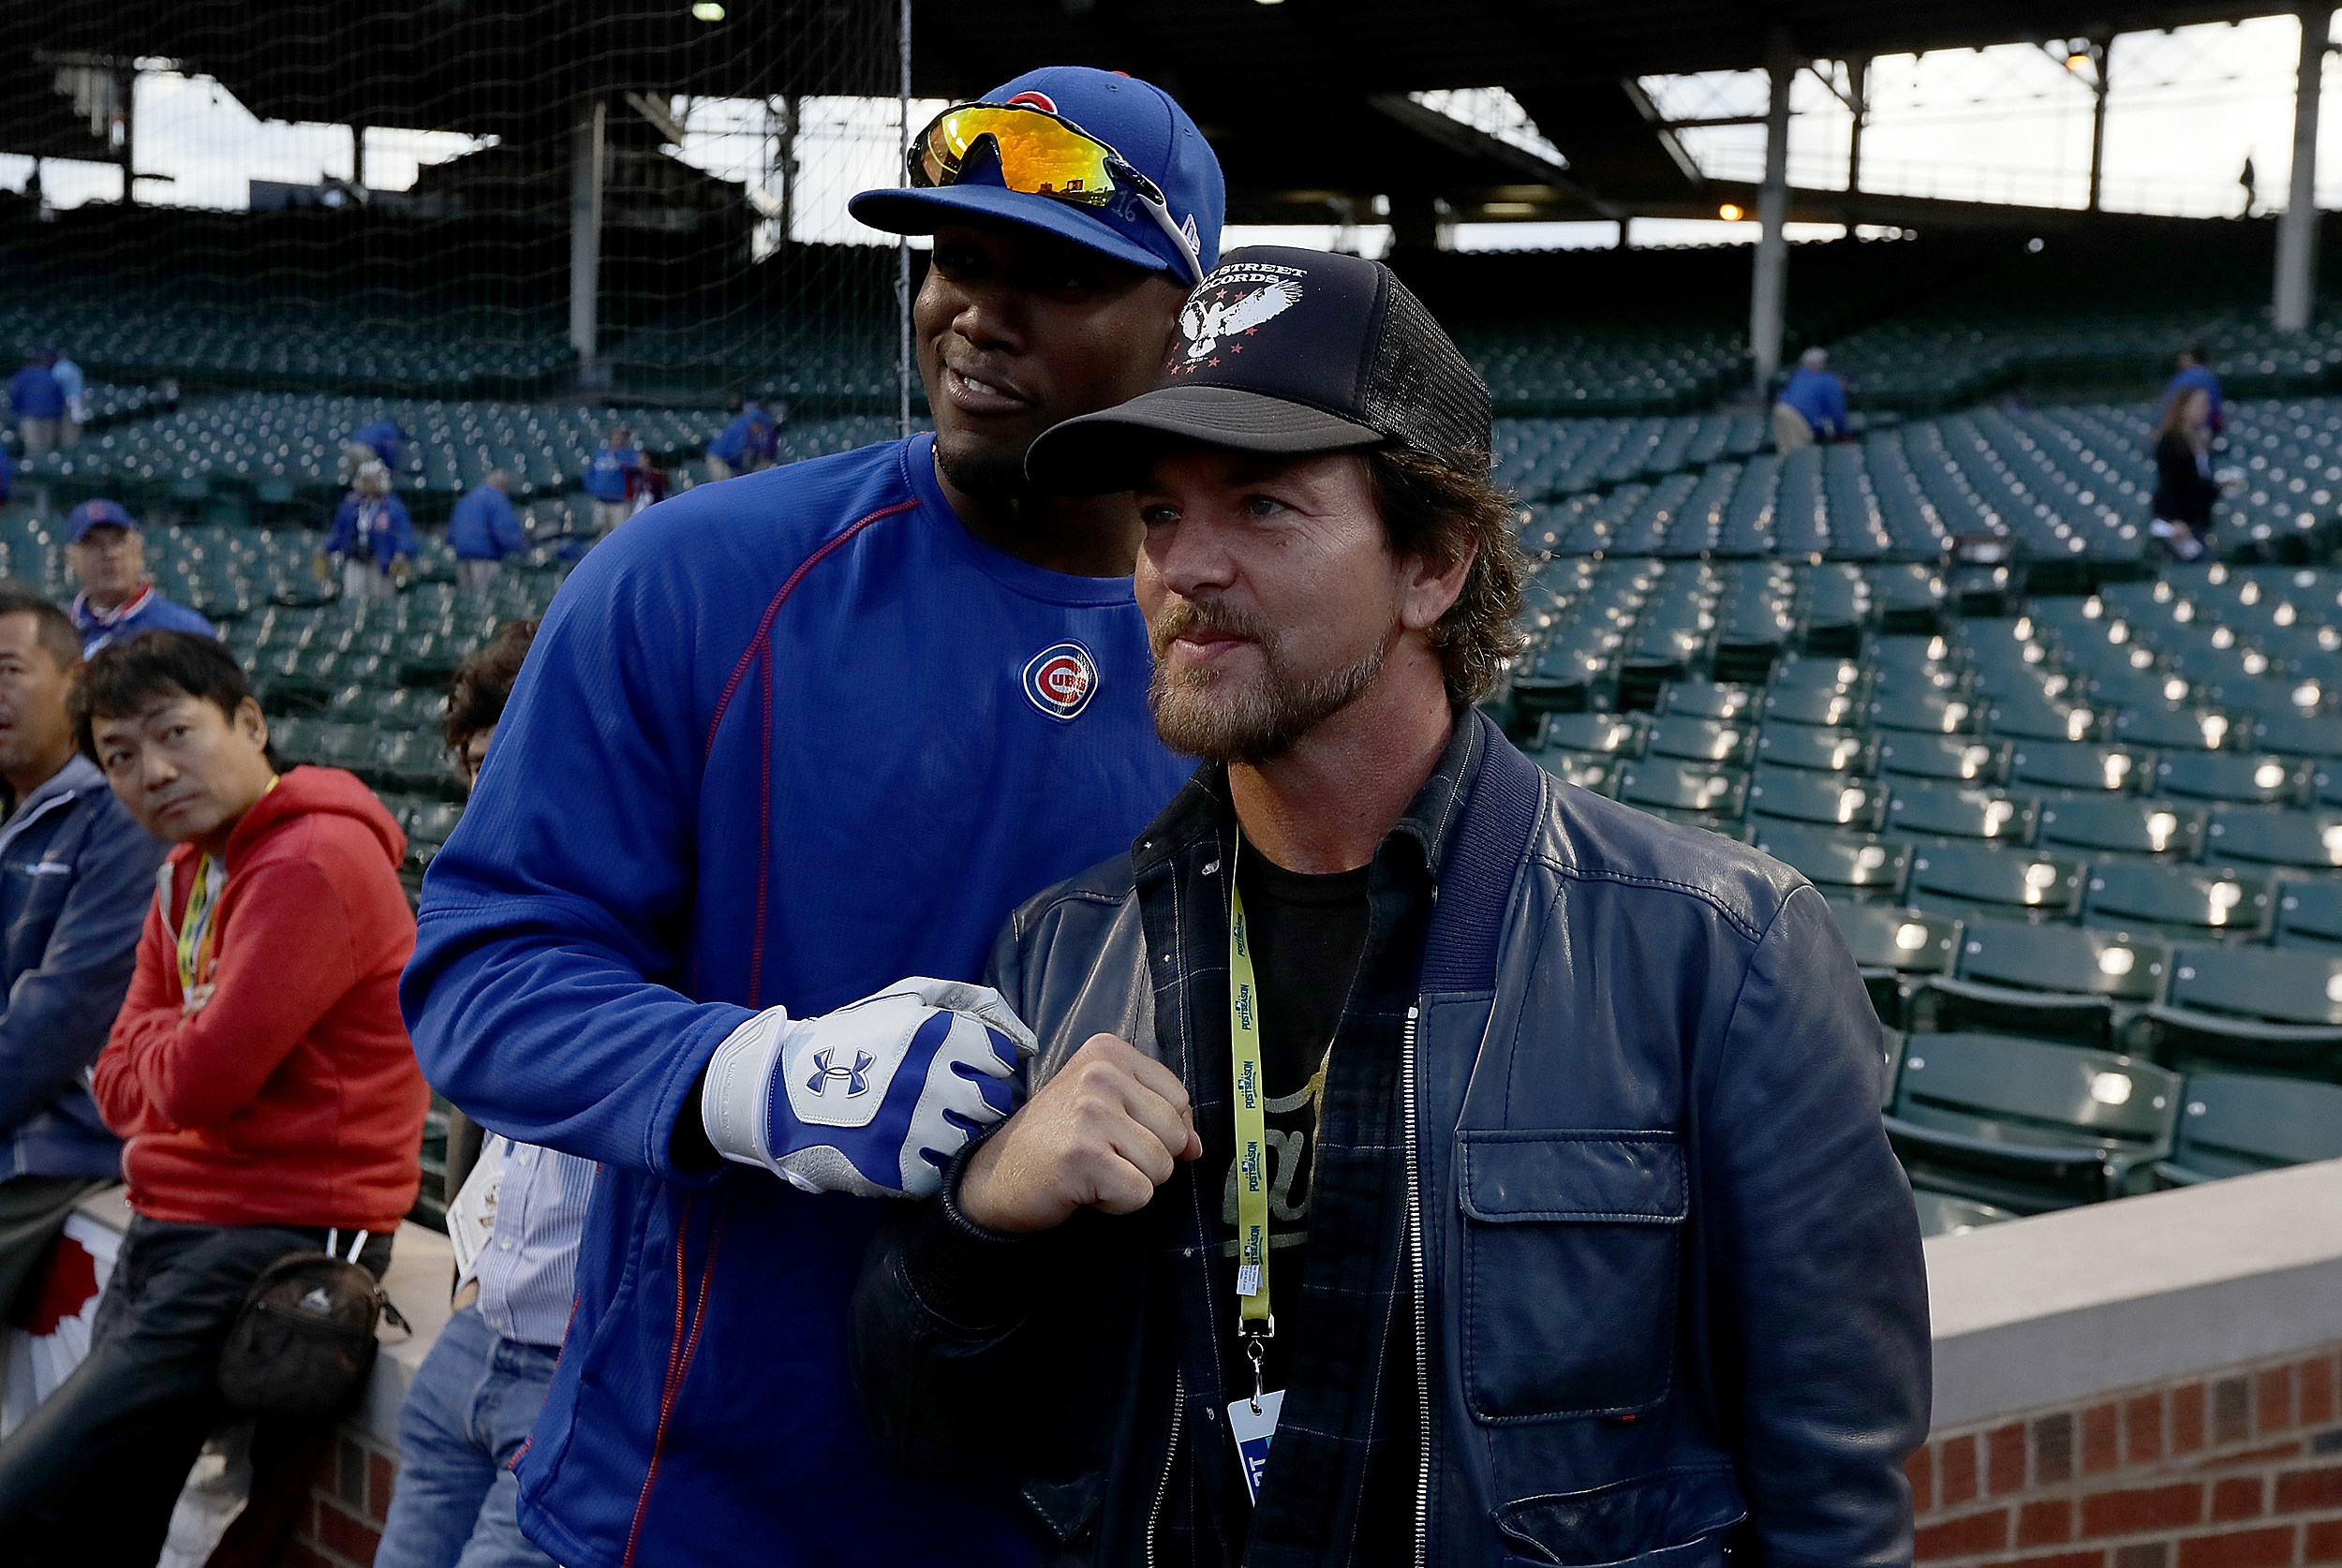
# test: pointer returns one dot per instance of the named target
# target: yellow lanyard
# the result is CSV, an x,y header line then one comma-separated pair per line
x,y
195,927
1251,1121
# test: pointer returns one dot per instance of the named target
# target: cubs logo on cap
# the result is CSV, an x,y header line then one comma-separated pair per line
x,y
1061,679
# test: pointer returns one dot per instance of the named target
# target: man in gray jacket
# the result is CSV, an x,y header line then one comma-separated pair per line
x,y
76,874
1509,1158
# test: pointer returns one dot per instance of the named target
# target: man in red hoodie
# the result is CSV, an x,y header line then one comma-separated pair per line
x,y
259,1071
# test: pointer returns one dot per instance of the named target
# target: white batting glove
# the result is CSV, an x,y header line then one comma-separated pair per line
x,y
874,1098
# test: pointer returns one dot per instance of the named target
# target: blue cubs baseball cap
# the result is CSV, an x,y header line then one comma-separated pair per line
x,y
1143,127
96,514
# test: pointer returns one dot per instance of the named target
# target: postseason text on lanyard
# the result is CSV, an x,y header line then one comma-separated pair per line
x,y
197,957
1251,1421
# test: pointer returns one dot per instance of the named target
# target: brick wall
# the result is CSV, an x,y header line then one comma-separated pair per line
x,y
342,1522
2238,1467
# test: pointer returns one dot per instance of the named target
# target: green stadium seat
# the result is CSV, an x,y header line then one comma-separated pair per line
x,y
409,760
2310,915
1609,735
1701,740
2080,765
2054,981
1953,758
1889,943
2029,1126
2265,1010
1682,785
1735,704
2300,734
1993,881
1941,1213
1836,799
1926,713
2233,1125
1839,863
1955,813
288,738
2309,840
2185,901
342,746
1818,706
2243,778
1818,750
2032,715
2177,728
2124,824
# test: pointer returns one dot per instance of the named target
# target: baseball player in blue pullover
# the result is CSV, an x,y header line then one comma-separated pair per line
x,y
780,743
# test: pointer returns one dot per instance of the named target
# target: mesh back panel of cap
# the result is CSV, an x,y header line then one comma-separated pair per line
x,y
1421,391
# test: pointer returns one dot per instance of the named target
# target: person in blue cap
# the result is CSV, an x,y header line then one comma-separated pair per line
x,y
779,743
608,474
483,531
747,444
106,554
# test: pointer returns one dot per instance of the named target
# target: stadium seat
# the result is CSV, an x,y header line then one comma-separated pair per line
x,y
1679,786
1994,881
1583,769
1955,813
1701,740
2026,1125
2054,981
1822,706
1941,1213
1836,799
1603,733
1815,749
2233,1125
2309,841
2079,765
1955,759
1923,714
2244,778
1889,943
2124,824
1840,864
2310,915
1712,700
2265,1010
2174,727
2033,715
2183,901
2300,734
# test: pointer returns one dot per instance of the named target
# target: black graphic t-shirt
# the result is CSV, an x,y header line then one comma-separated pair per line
x,y
1307,934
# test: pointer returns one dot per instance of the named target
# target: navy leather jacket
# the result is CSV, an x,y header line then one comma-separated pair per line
x,y
1663,1270
77,874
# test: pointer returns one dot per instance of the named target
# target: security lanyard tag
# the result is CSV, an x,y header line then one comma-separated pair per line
x,y
472,1219
1253,1423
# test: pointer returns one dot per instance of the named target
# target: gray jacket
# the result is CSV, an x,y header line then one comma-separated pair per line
x,y
1662,1273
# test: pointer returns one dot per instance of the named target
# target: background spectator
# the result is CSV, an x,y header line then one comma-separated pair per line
x,y
607,477
106,554
372,537
76,873
75,386
39,404
380,442
2194,372
1812,406
258,1068
515,1218
747,444
483,531
2184,487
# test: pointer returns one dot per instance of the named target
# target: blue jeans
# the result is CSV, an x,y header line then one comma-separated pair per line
x,y
466,1416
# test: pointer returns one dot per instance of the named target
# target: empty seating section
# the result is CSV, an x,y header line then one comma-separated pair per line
x,y
2087,852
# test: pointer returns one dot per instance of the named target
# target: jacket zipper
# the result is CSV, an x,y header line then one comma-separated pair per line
x,y
1163,1488
1422,1348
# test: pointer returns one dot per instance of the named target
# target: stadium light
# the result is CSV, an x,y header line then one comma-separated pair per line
x,y
707,10
1729,213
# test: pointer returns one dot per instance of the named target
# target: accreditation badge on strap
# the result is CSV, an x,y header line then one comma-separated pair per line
x,y
1251,1421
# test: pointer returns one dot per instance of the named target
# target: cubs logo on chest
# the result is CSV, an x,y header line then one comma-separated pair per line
x,y
1061,679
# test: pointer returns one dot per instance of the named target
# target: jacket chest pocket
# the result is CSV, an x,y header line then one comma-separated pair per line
x,y
1572,1245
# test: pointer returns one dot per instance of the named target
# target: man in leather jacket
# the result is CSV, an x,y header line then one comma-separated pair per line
x,y
1510,1156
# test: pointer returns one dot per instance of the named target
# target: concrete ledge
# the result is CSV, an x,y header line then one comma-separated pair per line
x,y
421,1275
2057,1308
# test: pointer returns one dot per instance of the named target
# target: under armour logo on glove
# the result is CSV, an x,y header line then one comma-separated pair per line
x,y
857,1077
874,1098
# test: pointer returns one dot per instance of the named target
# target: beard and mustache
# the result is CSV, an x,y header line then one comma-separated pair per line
x,y
1216,717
